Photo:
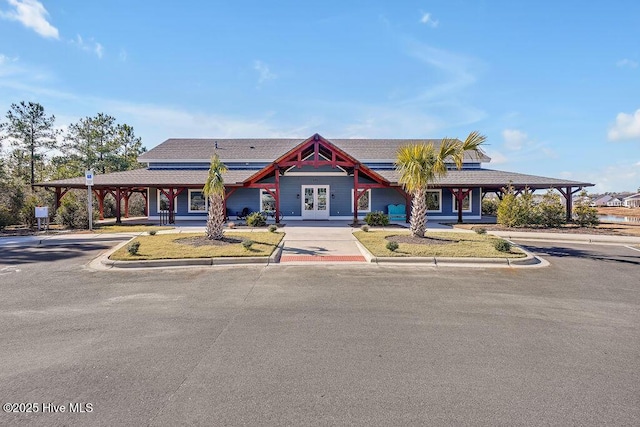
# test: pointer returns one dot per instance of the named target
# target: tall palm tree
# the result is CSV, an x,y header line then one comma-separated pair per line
x,y
419,165
214,189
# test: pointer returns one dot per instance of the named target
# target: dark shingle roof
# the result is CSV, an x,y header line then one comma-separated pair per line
x,y
152,177
491,178
267,150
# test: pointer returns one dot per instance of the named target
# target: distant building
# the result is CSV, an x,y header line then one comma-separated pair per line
x,y
632,201
608,201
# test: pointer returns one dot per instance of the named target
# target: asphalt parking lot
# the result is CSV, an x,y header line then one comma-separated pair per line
x,y
298,345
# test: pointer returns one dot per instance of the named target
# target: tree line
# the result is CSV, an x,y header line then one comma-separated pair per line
x,y
35,150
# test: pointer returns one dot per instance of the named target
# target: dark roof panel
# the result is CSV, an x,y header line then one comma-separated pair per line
x,y
180,150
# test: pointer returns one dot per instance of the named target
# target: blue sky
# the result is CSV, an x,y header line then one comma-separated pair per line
x,y
555,85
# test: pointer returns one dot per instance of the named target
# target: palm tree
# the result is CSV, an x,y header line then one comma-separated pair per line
x,y
214,189
419,165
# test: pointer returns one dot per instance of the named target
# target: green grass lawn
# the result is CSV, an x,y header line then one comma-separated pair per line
x,y
168,246
463,245
133,228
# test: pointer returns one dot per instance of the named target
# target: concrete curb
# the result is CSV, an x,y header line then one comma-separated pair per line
x,y
568,238
528,261
102,262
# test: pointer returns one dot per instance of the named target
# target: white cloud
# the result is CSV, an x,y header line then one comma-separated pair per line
x,y
264,73
627,63
428,20
514,139
123,55
33,15
497,158
89,45
627,127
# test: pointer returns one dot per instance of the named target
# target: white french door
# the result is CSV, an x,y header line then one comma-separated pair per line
x,y
315,202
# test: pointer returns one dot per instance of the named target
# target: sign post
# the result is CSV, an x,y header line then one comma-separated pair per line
x,y
88,174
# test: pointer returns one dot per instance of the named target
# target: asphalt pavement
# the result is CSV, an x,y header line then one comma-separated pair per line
x,y
319,345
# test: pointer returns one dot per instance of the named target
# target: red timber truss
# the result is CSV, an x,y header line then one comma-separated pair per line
x,y
318,152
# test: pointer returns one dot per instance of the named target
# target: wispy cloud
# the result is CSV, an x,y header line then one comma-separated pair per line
x,y
514,139
427,19
626,127
455,70
31,14
89,45
264,73
123,55
628,63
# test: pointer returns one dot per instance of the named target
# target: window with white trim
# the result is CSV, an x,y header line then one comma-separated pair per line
x,y
466,203
364,202
434,200
197,201
267,201
163,202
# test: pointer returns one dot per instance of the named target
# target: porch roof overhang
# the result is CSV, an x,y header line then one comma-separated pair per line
x,y
150,178
492,179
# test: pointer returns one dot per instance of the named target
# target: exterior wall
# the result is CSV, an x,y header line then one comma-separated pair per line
x,y
340,201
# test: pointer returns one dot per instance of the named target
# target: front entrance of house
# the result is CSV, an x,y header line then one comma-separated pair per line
x,y
315,202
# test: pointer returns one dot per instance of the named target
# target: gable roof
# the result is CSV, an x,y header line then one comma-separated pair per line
x,y
177,150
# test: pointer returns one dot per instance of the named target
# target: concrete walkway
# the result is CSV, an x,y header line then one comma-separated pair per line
x,y
308,241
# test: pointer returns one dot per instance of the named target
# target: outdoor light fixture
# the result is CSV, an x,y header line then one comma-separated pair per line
x,y
298,196
333,196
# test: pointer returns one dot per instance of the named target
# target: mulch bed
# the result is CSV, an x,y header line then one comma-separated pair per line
x,y
203,241
420,240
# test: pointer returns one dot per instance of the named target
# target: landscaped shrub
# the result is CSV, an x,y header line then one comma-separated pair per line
x,y
502,245
28,211
365,228
5,217
133,247
73,212
490,206
551,210
377,218
583,214
517,211
480,230
246,243
392,246
273,228
256,219
152,232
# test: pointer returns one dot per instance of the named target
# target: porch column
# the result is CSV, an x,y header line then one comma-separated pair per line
x,y
100,196
569,198
118,198
459,194
58,196
146,203
170,196
355,194
277,196
126,196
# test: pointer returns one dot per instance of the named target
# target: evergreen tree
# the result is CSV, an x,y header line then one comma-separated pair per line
x,y
29,130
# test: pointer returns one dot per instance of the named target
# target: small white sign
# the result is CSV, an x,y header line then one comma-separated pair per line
x,y
89,177
42,211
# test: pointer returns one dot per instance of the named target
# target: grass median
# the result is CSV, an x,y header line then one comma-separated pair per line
x,y
435,244
134,228
195,245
